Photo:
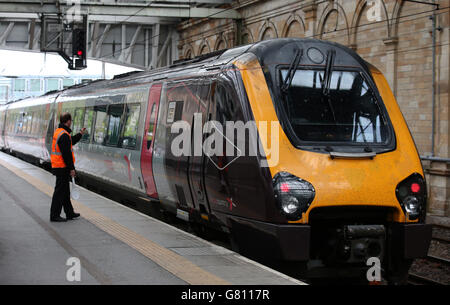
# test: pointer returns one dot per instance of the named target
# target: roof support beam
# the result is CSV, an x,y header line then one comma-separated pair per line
x,y
119,9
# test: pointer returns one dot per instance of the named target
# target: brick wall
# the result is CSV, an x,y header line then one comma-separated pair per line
x,y
399,44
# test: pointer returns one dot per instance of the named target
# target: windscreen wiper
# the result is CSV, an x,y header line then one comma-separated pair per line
x,y
292,69
326,81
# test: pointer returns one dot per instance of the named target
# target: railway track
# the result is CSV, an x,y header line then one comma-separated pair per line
x,y
415,279
438,264
440,237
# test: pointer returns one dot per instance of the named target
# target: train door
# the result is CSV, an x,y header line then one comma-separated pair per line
x,y
148,143
178,105
197,158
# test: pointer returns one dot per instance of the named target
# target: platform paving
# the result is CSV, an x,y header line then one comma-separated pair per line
x,y
114,244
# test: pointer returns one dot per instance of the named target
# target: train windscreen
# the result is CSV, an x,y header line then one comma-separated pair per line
x,y
346,112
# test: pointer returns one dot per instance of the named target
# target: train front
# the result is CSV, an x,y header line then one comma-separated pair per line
x,y
347,181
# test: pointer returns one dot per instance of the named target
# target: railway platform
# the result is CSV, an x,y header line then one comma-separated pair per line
x,y
111,243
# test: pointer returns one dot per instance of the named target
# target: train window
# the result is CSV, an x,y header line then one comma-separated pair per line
x,y
115,113
100,124
88,120
174,111
29,122
19,123
24,124
34,121
348,113
225,106
151,126
78,119
131,125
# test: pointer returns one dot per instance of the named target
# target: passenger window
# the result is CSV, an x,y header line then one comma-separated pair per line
x,y
78,120
151,126
19,123
131,126
88,120
27,124
34,122
115,113
100,124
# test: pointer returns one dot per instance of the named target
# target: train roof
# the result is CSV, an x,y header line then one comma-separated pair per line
x,y
266,51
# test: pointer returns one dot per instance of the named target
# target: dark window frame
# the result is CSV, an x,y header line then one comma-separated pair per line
x,y
89,138
121,126
122,134
388,145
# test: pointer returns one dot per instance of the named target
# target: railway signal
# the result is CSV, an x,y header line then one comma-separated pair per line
x,y
78,49
56,30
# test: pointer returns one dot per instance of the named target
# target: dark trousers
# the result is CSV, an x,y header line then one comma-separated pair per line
x,y
61,197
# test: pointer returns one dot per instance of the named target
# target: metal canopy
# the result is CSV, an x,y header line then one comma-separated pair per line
x,y
140,33
167,8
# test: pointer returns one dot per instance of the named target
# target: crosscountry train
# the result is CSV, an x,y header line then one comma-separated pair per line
x,y
346,185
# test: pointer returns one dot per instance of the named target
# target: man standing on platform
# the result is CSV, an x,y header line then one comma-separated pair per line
x,y
63,167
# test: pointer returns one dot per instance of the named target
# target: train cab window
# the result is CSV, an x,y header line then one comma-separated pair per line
x,y
347,113
78,119
131,125
88,120
115,113
100,124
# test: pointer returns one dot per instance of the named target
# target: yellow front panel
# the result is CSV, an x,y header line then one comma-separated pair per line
x,y
337,182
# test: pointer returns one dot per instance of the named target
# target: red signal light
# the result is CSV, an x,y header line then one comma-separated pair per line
x,y
80,53
415,187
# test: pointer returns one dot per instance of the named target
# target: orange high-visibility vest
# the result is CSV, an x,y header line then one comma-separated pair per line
x,y
56,155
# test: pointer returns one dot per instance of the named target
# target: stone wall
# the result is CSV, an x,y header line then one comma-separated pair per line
x,y
396,38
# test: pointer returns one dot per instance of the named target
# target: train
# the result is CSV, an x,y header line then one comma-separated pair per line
x,y
295,148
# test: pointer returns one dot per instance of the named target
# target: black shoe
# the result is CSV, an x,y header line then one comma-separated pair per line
x,y
57,219
73,216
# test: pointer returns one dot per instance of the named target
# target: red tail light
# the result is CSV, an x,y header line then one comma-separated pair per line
x,y
415,187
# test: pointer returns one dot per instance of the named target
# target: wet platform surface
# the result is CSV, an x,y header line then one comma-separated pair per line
x,y
114,244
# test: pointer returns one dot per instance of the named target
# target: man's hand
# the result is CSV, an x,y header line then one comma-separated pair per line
x,y
83,131
72,173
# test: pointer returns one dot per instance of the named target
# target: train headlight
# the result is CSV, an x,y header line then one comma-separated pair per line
x,y
412,195
292,194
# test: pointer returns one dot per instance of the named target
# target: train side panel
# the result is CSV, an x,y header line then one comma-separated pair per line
x,y
114,118
27,125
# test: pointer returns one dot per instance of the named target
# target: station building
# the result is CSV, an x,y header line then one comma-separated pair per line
x,y
396,36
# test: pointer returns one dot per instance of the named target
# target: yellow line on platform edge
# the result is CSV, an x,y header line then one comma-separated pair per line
x,y
167,259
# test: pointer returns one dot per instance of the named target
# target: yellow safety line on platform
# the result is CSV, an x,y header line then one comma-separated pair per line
x,y
169,260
